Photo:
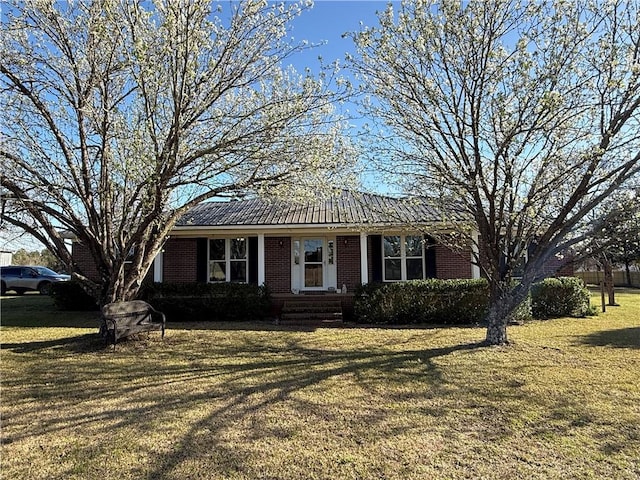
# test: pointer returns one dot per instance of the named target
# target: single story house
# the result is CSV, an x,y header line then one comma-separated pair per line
x,y
321,247
301,249
324,246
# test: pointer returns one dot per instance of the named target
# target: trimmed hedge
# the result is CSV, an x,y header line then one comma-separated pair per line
x,y
70,296
422,301
464,301
560,297
208,301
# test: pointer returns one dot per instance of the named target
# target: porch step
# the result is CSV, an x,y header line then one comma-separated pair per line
x,y
311,312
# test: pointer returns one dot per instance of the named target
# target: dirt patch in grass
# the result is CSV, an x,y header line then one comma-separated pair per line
x,y
248,401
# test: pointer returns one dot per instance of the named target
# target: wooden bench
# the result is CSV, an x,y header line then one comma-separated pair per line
x,y
121,319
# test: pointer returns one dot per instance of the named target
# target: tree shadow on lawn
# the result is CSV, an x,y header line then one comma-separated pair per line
x,y
620,338
86,343
261,378
39,311
240,386
308,369
272,326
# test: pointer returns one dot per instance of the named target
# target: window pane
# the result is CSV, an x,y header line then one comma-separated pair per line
x,y
238,248
217,271
313,250
414,268
392,269
239,271
313,275
216,249
413,246
392,246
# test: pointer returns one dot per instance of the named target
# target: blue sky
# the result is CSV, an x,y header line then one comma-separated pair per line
x,y
325,24
328,20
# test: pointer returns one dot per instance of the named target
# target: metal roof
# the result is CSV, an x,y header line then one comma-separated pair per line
x,y
345,209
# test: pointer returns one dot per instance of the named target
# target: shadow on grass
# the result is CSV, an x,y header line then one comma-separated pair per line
x,y
76,344
621,338
38,311
256,377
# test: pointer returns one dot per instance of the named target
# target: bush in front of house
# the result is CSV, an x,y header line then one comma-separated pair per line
x,y
208,301
423,301
560,297
464,301
70,296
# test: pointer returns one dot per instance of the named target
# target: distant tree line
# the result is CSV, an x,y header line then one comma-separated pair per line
x,y
42,258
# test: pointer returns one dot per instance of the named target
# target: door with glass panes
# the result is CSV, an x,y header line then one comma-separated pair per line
x,y
313,263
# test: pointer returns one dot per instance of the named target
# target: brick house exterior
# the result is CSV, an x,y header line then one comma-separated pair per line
x,y
322,247
317,247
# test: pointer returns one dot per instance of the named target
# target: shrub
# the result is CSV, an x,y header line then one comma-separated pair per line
x,y
464,301
560,297
208,301
70,296
523,312
423,301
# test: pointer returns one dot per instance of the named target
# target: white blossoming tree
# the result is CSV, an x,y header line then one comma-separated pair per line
x,y
516,119
120,116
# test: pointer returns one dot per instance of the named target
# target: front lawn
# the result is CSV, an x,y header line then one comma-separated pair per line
x,y
255,401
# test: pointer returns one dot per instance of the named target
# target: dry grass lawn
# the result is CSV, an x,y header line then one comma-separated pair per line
x,y
256,401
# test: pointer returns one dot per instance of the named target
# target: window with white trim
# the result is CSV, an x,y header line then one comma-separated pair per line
x,y
403,257
228,260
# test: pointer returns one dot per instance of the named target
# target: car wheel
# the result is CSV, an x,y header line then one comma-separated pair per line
x,y
44,288
19,291
3,288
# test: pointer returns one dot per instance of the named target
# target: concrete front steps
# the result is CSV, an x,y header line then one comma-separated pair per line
x,y
311,311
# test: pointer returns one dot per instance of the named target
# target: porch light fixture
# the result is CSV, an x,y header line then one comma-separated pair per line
x,y
280,243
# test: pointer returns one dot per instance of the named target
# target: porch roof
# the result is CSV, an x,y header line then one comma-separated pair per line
x,y
347,209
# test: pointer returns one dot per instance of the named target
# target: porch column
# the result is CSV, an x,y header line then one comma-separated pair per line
x,y
364,265
157,267
475,269
261,275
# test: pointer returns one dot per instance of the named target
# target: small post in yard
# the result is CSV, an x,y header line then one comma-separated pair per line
x,y
604,308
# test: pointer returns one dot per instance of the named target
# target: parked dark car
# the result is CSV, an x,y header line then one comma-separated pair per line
x,y
21,278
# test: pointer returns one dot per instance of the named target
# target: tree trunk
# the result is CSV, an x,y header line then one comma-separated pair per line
x,y
608,282
627,269
502,304
496,328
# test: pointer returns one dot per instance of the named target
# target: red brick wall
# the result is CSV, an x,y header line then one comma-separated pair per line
x,y
180,260
348,261
277,260
559,266
452,263
84,261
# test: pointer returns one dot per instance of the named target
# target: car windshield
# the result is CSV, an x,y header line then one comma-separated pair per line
x,y
44,271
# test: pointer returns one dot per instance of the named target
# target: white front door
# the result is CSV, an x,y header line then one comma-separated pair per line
x,y
313,263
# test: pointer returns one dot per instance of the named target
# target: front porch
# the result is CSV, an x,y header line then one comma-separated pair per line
x,y
325,308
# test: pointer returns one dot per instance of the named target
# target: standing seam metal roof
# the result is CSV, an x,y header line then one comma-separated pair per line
x,y
349,208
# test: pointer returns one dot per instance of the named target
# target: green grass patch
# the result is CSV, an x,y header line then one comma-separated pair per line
x,y
253,400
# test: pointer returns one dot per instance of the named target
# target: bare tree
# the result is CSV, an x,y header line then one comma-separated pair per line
x,y
516,119
120,116
616,237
